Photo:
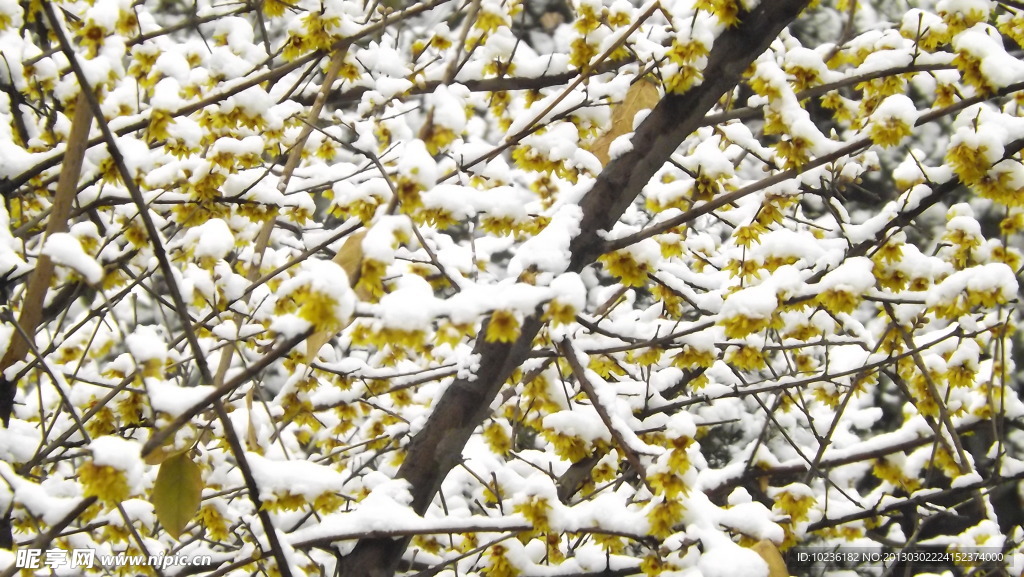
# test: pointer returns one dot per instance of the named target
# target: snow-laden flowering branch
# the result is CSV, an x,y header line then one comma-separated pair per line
x,y
507,288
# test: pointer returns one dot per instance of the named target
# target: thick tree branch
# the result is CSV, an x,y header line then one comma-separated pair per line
x,y
39,283
437,448
674,119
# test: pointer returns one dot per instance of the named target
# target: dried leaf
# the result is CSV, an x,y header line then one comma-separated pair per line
x,y
770,553
163,452
641,95
250,429
177,492
350,258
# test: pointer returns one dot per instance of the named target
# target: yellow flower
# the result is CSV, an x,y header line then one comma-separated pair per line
x,y
961,18
690,357
684,52
214,522
795,504
890,252
969,162
685,78
587,19
371,279
622,264
318,294
328,502
499,566
727,11
946,463
296,45
892,120
890,472
286,501
889,132
838,301
842,108
488,21
748,235
619,17
653,565
605,366
498,438
668,484
159,122
560,313
568,447
746,358
91,35
794,150
103,422
999,185
1013,26
663,517
536,510
106,483
960,376
581,53
274,8
318,308
740,326
1012,223
437,137
503,327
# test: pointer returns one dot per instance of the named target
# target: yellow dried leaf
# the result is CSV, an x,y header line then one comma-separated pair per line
x,y
250,429
641,95
163,452
177,492
350,258
770,553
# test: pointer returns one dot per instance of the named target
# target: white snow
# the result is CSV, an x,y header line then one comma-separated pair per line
x,y
549,249
996,278
582,422
66,250
726,559
757,302
212,239
174,400
984,43
296,477
146,344
854,276
897,107
121,454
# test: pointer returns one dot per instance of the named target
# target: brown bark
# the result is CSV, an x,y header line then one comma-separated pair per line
x,y
437,448
39,283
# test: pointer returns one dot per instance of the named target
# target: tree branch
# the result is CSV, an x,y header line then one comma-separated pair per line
x,y
588,387
437,448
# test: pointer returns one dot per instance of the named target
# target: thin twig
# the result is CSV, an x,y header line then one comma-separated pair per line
x,y
933,391
569,353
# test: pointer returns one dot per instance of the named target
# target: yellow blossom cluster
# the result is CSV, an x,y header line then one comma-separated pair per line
x,y
663,514
503,326
211,128
889,131
745,358
624,265
106,483
727,11
537,511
